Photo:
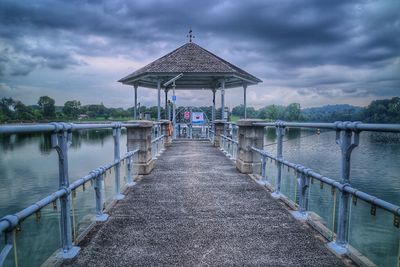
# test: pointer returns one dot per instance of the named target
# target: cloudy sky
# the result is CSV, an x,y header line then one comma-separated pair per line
x,y
312,52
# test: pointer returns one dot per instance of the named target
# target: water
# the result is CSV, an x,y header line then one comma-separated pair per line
x,y
29,172
375,169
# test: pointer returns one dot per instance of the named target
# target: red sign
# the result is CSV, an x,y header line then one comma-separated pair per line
x,y
187,115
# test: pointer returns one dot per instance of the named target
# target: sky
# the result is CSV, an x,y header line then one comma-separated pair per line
x,y
313,52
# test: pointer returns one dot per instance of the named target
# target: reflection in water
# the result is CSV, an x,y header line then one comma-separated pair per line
x,y
375,169
29,172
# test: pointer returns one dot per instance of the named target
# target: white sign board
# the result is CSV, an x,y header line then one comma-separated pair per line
x,y
197,117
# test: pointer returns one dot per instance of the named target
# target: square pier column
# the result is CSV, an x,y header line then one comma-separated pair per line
x,y
219,129
165,130
249,135
139,137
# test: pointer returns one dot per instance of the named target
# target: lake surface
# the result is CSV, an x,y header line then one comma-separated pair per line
x,y
29,172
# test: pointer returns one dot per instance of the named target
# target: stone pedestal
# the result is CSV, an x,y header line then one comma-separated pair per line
x,y
139,137
248,161
219,129
167,134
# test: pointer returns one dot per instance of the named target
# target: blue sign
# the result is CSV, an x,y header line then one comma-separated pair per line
x,y
174,98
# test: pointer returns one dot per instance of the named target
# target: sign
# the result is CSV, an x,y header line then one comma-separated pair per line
x,y
197,117
174,98
187,115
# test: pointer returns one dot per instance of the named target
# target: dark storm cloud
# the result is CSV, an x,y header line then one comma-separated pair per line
x,y
282,41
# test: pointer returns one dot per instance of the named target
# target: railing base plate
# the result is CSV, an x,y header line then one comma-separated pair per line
x,y
131,184
102,218
276,195
301,216
261,182
119,197
70,254
337,249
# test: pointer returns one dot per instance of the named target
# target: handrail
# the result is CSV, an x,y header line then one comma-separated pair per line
x,y
394,209
157,139
59,126
345,125
229,139
9,222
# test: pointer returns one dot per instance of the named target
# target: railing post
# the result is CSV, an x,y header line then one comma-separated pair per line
x,y
98,187
139,137
130,180
347,140
250,135
61,140
117,157
303,187
280,132
263,180
218,130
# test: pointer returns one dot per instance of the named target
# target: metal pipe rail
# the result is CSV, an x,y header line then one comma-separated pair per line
x,y
340,126
229,146
61,138
230,139
9,222
59,126
394,209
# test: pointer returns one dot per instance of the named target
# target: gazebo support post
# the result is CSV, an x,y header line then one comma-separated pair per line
x,y
213,105
222,99
135,107
166,104
158,100
244,100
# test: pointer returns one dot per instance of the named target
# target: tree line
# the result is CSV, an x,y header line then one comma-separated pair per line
x,y
378,111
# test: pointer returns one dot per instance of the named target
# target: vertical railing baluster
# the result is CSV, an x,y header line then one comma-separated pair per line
x,y
117,157
263,179
98,188
61,140
130,180
280,132
302,187
347,140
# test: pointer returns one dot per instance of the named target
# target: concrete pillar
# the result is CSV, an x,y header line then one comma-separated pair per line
x,y
166,133
139,137
219,126
248,161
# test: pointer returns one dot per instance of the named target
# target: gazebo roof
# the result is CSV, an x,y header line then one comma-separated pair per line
x,y
201,69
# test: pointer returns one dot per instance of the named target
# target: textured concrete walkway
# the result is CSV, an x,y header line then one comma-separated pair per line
x,y
195,209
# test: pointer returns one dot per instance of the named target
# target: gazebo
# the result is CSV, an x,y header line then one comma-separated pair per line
x,y
190,67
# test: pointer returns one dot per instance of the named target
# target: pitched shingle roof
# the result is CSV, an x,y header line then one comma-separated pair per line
x,y
200,68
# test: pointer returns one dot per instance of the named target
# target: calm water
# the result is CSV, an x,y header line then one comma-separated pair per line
x,y
29,171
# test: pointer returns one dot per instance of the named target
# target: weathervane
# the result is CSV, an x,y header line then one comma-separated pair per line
x,y
190,35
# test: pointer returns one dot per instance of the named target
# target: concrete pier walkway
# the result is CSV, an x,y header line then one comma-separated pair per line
x,y
196,209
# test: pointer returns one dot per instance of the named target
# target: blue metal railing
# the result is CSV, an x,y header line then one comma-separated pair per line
x,y
61,138
229,146
347,137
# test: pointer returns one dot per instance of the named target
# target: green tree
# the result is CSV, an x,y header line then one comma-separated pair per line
x,y
47,106
292,112
23,112
72,108
6,109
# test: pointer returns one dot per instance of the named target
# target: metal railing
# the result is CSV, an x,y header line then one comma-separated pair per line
x,y
61,138
347,137
157,141
229,146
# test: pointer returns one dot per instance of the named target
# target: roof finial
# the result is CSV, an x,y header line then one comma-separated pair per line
x,y
190,35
